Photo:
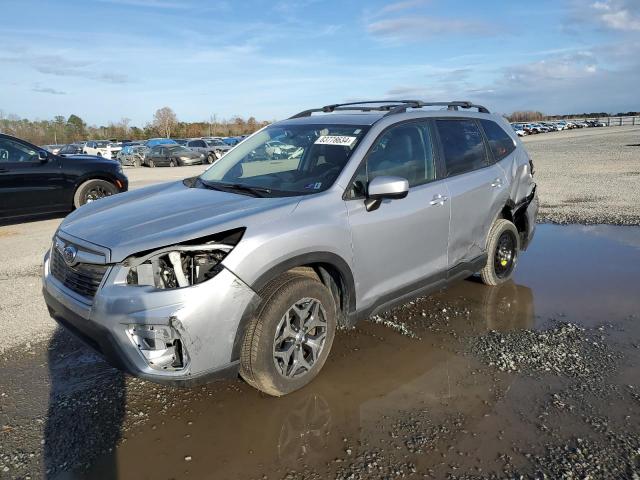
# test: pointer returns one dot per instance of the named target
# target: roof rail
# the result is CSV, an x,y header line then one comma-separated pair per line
x,y
391,106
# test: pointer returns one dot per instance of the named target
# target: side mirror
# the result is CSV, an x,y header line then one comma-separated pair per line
x,y
381,188
43,156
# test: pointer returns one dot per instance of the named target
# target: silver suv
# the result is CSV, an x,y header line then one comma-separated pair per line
x,y
250,267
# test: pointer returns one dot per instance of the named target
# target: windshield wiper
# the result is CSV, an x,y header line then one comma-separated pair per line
x,y
238,187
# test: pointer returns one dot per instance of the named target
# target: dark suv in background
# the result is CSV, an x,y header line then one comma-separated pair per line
x,y
34,181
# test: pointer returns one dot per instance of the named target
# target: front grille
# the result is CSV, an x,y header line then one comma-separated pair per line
x,y
83,278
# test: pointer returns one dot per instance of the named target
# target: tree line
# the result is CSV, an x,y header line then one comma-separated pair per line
x,y
62,130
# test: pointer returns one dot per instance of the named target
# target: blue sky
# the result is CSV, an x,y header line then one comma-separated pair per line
x,y
109,59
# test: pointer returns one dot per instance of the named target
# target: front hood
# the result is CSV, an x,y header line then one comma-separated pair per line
x,y
81,157
189,155
167,214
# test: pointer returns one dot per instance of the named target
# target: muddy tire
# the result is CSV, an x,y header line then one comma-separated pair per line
x,y
503,247
290,336
93,190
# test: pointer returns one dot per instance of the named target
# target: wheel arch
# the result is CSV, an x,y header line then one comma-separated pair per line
x,y
517,214
332,270
92,176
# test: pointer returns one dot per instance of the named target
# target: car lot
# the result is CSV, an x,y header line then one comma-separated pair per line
x,y
388,402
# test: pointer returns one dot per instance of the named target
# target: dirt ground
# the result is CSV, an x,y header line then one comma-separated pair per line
x,y
589,175
536,378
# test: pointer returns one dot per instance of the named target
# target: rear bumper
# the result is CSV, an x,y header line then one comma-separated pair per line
x,y
204,317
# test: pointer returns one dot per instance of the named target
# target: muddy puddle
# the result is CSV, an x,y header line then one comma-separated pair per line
x,y
536,377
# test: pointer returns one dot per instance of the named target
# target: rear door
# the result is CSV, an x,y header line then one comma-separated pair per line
x,y
29,185
403,244
476,187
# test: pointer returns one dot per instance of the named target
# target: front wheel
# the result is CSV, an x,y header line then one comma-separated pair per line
x,y
289,339
503,246
92,190
172,163
211,158
152,164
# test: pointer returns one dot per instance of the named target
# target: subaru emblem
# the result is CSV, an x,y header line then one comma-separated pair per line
x,y
69,254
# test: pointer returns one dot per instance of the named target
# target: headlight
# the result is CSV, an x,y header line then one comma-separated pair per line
x,y
182,265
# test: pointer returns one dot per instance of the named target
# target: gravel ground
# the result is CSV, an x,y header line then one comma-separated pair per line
x,y
588,176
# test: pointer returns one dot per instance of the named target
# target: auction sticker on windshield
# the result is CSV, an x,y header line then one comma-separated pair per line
x,y
343,141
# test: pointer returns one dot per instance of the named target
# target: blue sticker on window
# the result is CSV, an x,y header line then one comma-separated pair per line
x,y
313,186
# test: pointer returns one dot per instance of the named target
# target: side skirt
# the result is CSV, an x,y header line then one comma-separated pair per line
x,y
422,288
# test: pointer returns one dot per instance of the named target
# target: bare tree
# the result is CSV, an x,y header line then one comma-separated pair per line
x,y
164,120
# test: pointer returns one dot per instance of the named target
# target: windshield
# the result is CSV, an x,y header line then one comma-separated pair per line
x,y
288,160
101,144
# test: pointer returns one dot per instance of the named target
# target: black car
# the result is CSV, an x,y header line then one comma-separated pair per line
x,y
34,181
71,149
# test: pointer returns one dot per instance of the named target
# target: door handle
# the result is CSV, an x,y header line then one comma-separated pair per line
x,y
497,183
439,200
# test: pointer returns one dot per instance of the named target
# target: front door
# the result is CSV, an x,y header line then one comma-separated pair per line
x,y
29,185
403,243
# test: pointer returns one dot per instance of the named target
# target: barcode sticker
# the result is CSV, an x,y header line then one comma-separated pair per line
x,y
342,141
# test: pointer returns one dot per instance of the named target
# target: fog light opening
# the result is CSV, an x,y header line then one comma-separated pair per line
x,y
159,345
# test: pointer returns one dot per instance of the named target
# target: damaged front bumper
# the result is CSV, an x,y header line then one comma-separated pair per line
x,y
175,336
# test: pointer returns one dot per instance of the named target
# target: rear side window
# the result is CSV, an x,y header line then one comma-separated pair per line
x,y
500,142
463,146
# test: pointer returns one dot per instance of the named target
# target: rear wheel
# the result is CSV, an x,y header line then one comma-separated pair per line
x,y
503,245
289,339
92,190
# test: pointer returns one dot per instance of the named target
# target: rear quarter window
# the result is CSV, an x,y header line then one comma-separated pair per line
x,y
500,143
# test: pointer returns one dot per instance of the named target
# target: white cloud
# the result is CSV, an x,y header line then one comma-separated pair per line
x,y
416,27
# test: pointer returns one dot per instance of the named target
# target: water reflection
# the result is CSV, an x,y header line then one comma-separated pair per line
x,y
233,431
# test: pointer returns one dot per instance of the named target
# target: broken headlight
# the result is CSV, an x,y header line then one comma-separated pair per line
x,y
184,264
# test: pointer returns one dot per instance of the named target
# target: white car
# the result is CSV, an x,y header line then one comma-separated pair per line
x,y
99,148
518,128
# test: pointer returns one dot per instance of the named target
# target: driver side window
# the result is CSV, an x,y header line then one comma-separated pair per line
x,y
405,151
14,152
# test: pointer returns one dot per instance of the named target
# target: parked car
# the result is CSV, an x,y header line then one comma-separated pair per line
x,y
34,181
114,149
52,148
132,155
99,148
212,149
519,129
172,156
219,148
152,142
250,267
71,149
232,141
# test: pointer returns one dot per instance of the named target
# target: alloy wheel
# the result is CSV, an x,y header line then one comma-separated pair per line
x,y
299,338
